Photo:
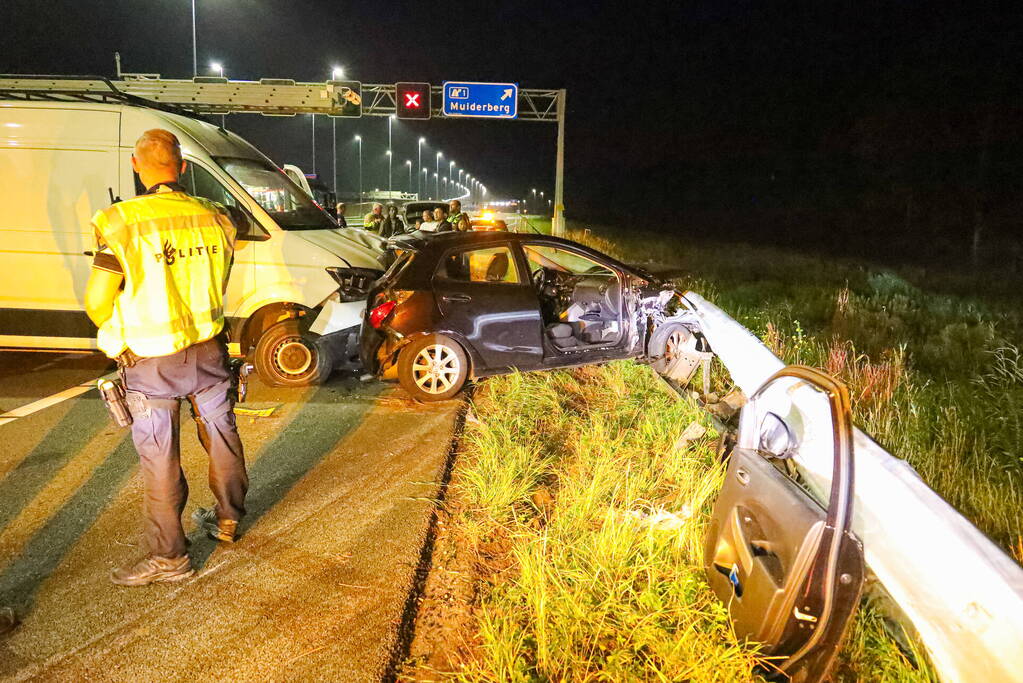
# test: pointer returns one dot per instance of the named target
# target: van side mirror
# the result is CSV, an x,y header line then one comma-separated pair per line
x,y
249,229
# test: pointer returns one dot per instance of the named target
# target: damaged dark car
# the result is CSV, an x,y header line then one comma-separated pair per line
x,y
460,306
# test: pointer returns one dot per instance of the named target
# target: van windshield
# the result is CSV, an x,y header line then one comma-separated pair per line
x,y
286,203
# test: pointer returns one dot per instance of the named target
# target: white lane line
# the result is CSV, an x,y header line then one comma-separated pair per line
x,y
36,406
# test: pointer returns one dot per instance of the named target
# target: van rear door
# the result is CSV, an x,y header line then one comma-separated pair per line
x,y
59,166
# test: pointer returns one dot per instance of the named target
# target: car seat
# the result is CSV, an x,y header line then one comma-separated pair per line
x,y
561,335
497,271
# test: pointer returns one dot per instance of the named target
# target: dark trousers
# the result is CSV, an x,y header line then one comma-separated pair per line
x,y
155,385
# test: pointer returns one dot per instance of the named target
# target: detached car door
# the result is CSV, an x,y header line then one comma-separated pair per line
x,y
486,300
779,551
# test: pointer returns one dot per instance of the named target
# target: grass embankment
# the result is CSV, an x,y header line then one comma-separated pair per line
x,y
551,500
932,359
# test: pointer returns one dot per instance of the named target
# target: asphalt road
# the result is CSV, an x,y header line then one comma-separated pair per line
x,y
342,479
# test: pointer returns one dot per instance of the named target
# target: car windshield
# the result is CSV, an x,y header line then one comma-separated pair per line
x,y
286,203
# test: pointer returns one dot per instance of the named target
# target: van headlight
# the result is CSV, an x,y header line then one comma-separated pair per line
x,y
353,283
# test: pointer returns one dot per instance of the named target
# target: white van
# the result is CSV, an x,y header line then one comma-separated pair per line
x,y
295,292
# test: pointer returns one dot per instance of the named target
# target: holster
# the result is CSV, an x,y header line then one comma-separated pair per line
x,y
114,396
127,359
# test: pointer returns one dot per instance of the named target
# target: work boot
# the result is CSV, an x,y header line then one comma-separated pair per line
x,y
152,569
218,529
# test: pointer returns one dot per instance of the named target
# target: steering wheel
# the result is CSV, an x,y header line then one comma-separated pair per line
x,y
539,278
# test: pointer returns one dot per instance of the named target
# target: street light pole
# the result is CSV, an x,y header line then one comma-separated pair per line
x,y
390,155
217,66
425,180
195,54
313,117
419,182
358,139
408,162
335,74
437,173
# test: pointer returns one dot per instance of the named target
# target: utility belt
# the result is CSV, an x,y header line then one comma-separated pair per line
x,y
125,404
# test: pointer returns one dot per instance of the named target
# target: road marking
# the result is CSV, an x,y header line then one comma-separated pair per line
x,y
36,406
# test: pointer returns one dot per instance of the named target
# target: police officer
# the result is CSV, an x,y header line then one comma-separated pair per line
x,y
455,214
373,219
156,292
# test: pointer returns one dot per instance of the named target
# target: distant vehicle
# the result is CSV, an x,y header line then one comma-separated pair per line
x,y
314,187
488,222
296,291
460,305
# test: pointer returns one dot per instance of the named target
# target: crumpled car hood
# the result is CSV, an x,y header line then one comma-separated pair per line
x,y
360,248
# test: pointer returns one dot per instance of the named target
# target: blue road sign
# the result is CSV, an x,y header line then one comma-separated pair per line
x,y
481,100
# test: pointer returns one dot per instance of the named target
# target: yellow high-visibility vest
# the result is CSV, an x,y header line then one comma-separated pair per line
x,y
176,253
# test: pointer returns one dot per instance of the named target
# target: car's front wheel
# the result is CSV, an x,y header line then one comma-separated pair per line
x,y
286,357
433,368
668,342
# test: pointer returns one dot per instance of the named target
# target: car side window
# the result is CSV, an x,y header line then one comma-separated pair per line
x,y
199,182
543,256
494,264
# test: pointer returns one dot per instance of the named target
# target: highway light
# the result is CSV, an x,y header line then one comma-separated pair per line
x,y
218,67
337,73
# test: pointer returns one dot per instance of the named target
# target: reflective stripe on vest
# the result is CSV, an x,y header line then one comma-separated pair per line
x,y
176,253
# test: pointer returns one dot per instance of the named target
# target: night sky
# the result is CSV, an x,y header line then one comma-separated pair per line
x,y
820,124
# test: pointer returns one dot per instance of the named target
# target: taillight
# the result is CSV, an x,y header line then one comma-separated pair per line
x,y
380,313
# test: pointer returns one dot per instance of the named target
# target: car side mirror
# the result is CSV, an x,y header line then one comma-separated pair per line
x,y
777,439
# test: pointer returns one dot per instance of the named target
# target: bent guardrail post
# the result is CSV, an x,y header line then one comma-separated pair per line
x,y
960,591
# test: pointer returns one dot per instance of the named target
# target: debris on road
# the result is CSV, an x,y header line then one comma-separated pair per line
x,y
256,412
659,519
727,406
691,433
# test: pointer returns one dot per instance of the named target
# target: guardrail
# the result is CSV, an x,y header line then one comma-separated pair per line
x,y
961,593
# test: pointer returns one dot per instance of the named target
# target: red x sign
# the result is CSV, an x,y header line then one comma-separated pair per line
x,y
412,100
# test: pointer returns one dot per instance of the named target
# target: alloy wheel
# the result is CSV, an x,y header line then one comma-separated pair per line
x,y
435,368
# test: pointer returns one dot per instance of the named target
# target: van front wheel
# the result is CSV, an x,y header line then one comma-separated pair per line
x,y
285,357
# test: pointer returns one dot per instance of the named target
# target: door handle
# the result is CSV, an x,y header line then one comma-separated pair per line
x,y
460,298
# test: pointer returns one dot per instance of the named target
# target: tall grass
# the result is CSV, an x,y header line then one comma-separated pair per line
x,y
557,482
932,359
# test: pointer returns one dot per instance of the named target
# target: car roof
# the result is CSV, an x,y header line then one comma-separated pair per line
x,y
434,243
422,205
